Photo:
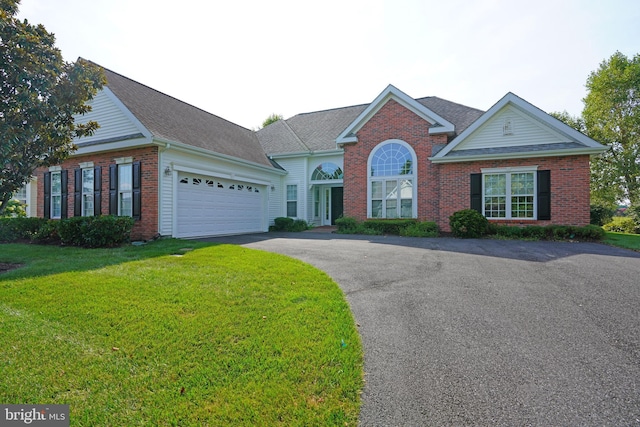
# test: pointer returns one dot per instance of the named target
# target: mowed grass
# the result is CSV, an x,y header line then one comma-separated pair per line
x,y
162,335
623,240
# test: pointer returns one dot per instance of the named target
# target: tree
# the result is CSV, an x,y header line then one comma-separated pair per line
x,y
271,119
612,116
39,95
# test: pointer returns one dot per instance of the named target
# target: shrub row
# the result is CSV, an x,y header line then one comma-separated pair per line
x,y
289,224
623,225
401,227
88,232
469,223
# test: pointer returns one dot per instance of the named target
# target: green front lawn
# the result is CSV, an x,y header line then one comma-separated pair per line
x,y
623,240
163,335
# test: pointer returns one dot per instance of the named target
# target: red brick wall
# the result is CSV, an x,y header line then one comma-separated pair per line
x,y
393,121
144,229
445,188
569,188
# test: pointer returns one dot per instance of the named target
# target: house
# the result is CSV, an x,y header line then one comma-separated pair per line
x,y
183,172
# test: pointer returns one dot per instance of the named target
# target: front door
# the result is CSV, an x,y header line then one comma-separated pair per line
x,y
336,203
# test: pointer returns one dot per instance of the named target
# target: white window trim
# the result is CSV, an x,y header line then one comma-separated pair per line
x,y
59,173
120,192
287,200
414,176
91,192
508,171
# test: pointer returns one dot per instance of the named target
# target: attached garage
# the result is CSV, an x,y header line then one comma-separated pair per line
x,y
210,206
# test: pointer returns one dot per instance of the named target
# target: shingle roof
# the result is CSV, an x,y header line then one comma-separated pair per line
x,y
317,131
174,120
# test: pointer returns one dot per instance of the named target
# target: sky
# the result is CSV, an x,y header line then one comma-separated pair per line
x,y
243,60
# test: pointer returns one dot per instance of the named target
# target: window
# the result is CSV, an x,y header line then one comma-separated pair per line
x,y
292,201
391,181
56,194
316,202
125,190
87,192
21,195
327,171
509,195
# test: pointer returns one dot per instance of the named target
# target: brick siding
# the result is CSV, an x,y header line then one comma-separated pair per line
x,y
147,226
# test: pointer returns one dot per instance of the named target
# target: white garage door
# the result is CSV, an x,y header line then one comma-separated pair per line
x,y
208,206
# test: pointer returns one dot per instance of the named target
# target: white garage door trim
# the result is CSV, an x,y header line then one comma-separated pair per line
x,y
214,206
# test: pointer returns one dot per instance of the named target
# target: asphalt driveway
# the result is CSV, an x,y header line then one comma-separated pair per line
x,y
485,332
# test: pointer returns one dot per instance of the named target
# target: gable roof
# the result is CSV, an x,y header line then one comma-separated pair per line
x,y
438,123
318,131
170,119
559,138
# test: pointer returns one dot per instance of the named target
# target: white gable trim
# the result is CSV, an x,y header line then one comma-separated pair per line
x,y
391,92
591,146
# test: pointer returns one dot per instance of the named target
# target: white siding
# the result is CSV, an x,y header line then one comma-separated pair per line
x,y
526,131
208,166
296,168
114,119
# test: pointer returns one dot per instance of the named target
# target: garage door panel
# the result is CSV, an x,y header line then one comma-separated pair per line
x,y
211,206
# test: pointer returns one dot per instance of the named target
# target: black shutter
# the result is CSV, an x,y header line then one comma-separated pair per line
x,y
137,196
47,195
476,192
113,189
64,181
77,192
97,191
544,195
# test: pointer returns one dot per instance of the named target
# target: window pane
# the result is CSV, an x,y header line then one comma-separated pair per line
x,y
406,208
292,209
125,205
522,207
522,183
495,185
392,159
125,178
56,183
392,209
56,206
376,209
292,192
391,189
327,171
376,190
495,207
87,180
406,189
87,205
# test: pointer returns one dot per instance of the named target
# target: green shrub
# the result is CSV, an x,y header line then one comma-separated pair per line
x,y
468,223
282,223
420,229
600,215
508,231
347,224
590,232
622,225
289,224
535,232
634,213
95,231
388,226
12,229
14,209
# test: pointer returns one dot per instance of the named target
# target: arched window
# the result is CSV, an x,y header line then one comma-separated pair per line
x,y
326,171
392,171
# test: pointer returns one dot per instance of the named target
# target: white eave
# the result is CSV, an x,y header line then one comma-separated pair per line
x,y
438,124
519,155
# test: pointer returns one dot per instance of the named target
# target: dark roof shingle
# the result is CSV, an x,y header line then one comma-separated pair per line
x,y
174,120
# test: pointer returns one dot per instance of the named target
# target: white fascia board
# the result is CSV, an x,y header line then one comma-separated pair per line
x,y
224,175
523,155
530,109
179,146
391,92
125,144
292,155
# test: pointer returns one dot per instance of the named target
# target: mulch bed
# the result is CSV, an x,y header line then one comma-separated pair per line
x,y
4,267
